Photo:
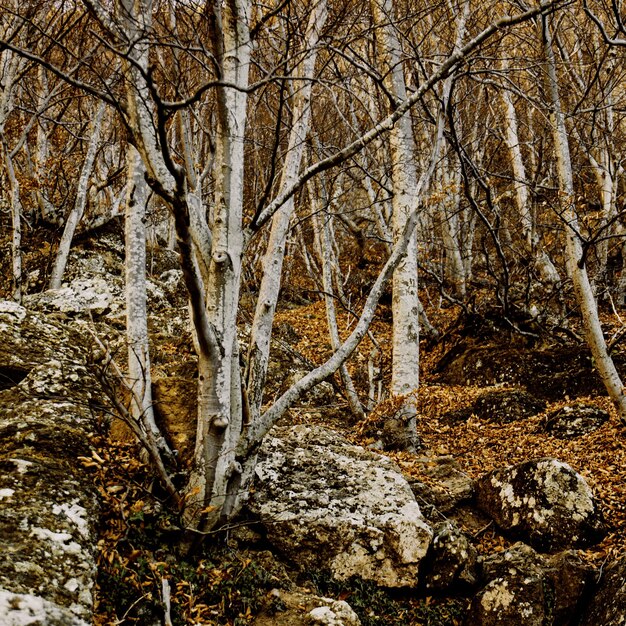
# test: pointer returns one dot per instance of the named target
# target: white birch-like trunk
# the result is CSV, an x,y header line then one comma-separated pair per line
x,y
451,229
547,272
78,209
607,180
213,491
573,249
16,223
258,355
9,68
405,303
139,375
407,191
322,232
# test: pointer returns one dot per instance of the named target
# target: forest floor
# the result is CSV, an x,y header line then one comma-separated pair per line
x,y
240,580
225,585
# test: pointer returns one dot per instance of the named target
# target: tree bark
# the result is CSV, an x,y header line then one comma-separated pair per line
x,y
139,375
573,249
260,336
77,211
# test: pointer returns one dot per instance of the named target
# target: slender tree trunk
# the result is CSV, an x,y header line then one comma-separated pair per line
x,y
547,272
322,231
139,376
451,230
9,67
573,249
16,220
405,304
261,332
77,211
213,489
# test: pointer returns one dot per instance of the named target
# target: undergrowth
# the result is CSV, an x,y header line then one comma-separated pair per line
x,y
220,586
376,606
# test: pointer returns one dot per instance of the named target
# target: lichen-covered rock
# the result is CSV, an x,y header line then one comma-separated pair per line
x,y
523,587
551,373
300,608
510,601
339,613
25,609
451,561
330,505
608,606
575,420
544,502
81,295
48,507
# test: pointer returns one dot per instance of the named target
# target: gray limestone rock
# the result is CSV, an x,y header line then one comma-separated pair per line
x,y
299,607
544,502
26,609
48,505
330,505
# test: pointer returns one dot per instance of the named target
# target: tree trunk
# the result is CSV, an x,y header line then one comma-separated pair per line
x,y
322,230
139,376
77,211
547,272
405,305
261,332
215,472
10,66
573,249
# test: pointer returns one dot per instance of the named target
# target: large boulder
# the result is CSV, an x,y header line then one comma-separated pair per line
x,y
608,606
551,373
544,502
523,588
48,505
330,505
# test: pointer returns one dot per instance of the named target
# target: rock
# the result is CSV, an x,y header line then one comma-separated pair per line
x,y
299,608
550,374
544,502
49,510
524,587
82,295
18,609
338,613
327,504
173,284
397,434
447,487
511,601
501,406
608,606
451,561
575,420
